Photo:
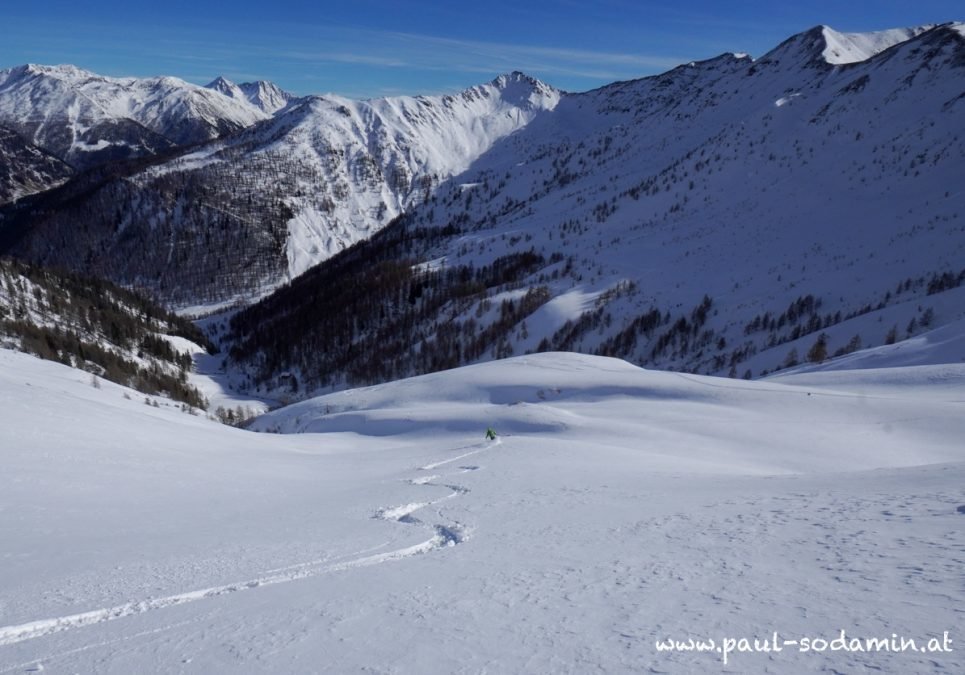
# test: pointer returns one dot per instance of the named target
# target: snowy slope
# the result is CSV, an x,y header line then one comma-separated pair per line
x,y
600,401
85,118
351,166
939,346
844,48
618,507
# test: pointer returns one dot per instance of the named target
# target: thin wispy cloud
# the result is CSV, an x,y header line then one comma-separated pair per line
x,y
349,57
433,53
553,53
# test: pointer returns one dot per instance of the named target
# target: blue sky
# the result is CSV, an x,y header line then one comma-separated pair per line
x,y
376,47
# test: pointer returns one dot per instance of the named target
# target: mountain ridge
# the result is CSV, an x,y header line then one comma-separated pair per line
x,y
316,177
581,211
86,119
600,207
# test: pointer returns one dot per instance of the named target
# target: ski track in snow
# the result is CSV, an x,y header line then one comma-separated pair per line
x,y
450,533
436,465
445,535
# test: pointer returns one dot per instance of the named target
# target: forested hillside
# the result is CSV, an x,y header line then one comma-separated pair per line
x,y
96,326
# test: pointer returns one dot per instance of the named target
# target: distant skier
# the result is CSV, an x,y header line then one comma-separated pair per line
x,y
490,434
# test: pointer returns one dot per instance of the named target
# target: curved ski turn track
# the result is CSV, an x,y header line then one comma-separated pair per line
x,y
445,533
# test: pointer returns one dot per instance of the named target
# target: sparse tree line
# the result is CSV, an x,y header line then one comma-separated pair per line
x,y
369,317
94,325
374,313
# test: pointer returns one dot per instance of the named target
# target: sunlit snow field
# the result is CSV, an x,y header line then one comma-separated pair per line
x,y
380,532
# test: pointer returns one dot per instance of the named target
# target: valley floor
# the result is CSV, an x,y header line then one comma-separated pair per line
x,y
381,533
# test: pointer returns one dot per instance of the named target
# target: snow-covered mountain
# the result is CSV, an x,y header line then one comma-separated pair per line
x,y
358,164
243,214
266,96
86,119
717,218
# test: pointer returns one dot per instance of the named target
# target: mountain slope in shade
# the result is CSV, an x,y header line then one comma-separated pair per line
x,y
26,169
87,119
96,327
718,218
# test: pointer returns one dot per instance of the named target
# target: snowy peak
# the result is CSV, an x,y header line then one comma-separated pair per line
x,y
805,48
225,86
824,46
843,48
60,77
519,89
266,96
263,95
518,78
378,157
